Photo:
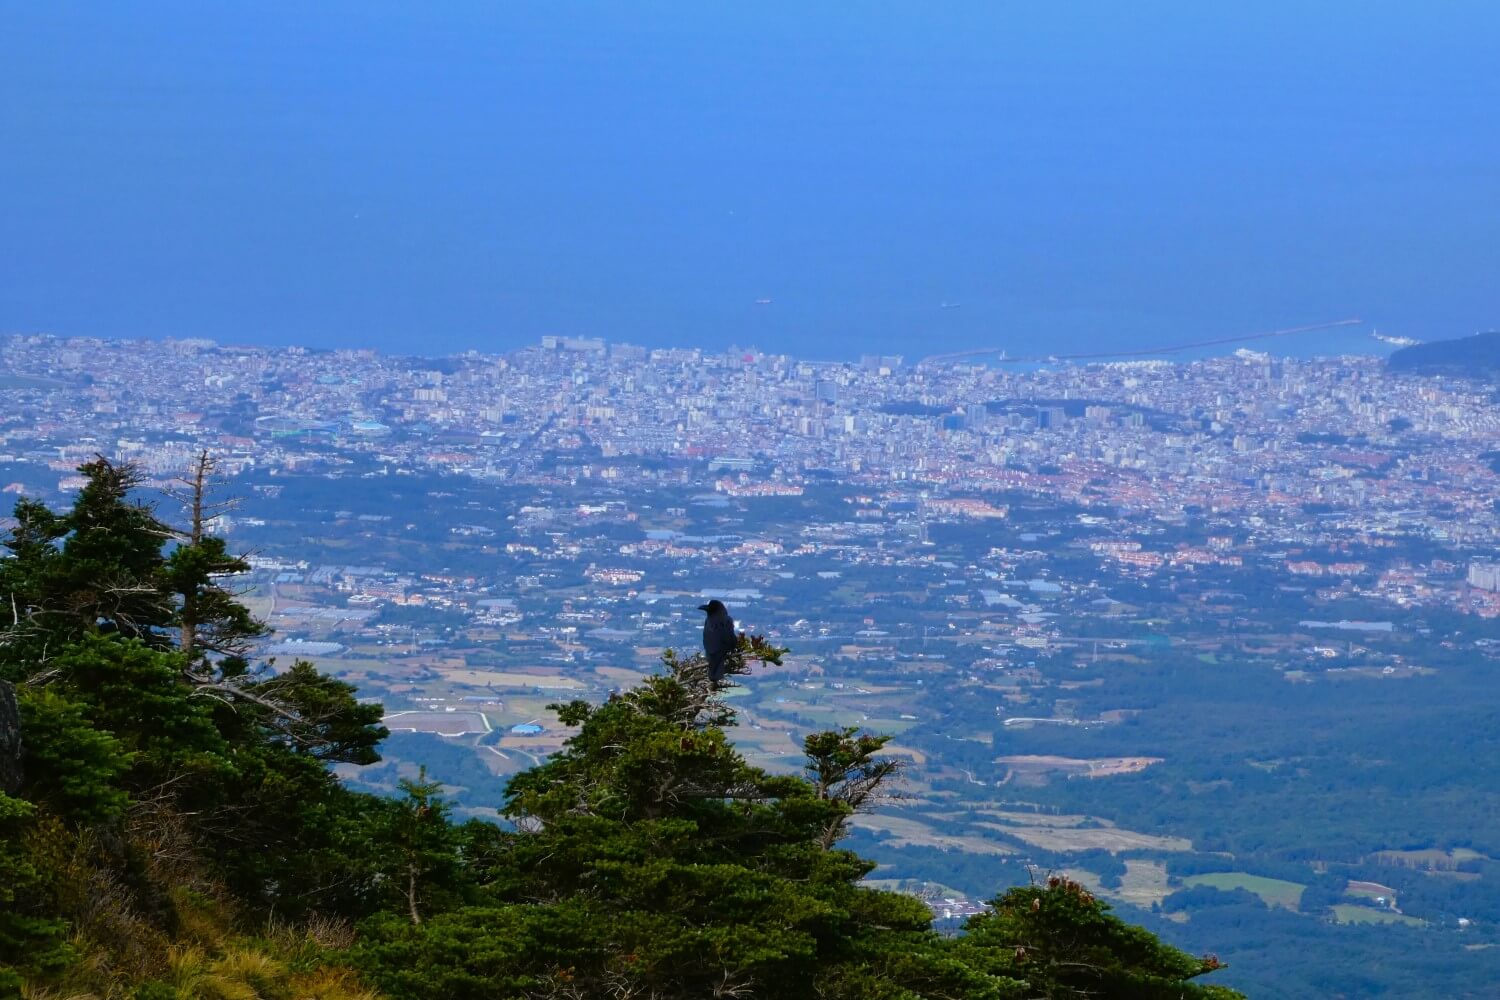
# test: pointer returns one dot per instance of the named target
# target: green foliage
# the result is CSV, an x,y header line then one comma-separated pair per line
x,y
31,938
1199,897
331,724
843,768
104,568
137,693
71,766
32,544
649,859
107,575
151,775
1063,942
211,615
424,844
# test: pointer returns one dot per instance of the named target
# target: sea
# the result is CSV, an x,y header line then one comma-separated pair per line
x,y
823,179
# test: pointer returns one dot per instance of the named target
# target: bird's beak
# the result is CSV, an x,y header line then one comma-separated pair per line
x,y
703,607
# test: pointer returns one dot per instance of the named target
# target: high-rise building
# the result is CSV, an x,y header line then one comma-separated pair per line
x,y
1484,575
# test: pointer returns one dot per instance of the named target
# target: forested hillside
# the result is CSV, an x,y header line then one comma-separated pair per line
x,y
1476,355
170,826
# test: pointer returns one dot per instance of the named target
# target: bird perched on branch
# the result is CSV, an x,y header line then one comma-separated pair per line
x,y
718,638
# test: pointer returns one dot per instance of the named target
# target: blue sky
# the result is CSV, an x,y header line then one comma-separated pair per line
x,y
438,177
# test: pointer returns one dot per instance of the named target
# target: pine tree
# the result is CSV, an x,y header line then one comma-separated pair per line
x,y
424,843
843,768
210,618
144,763
73,767
108,576
1063,942
651,860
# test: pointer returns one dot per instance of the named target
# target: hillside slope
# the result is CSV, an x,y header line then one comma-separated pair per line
x,y
176,832
1474,356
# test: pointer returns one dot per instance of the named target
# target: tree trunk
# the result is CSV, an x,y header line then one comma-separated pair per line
x,y
189,612
411,894
10,740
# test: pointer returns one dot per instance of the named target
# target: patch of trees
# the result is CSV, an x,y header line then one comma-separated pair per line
x,y
912,408
1322,437
1200,897
1279,953
1476,356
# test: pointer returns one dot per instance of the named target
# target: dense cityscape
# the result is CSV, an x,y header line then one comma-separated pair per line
x,y
1316,455
1027,577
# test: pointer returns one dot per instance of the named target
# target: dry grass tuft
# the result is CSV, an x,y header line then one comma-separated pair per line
x,y
330,983
29,992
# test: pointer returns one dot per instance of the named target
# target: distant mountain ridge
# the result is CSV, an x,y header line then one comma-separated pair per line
x,y
1477,355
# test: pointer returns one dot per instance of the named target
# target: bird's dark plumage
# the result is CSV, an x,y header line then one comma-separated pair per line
x,y
718,638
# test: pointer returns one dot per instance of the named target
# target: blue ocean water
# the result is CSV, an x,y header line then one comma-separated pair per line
x,y
816,178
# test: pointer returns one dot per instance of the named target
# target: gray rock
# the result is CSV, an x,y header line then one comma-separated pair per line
x,y
10,740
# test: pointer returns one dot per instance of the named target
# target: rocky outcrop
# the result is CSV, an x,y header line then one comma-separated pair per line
x,y
10,739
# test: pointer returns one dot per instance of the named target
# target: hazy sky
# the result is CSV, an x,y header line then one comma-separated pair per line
x,y
437,176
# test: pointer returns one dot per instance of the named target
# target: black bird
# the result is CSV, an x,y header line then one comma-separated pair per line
x,y
718,638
